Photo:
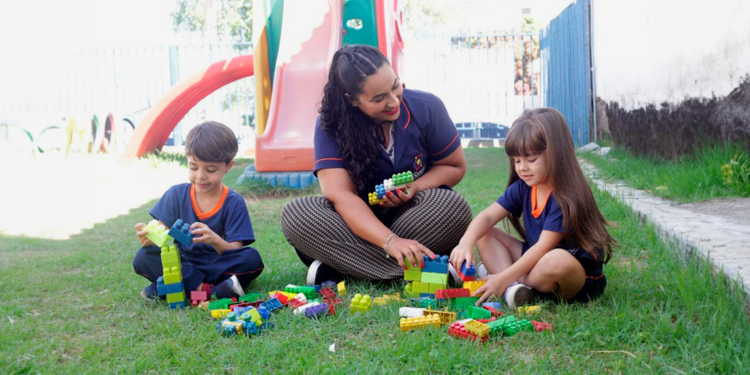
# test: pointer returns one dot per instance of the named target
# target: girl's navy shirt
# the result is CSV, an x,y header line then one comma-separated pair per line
x,y
423,133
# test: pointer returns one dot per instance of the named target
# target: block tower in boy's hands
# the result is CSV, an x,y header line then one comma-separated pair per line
x,y
170,283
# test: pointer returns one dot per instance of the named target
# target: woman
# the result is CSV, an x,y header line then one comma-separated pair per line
x,y
370,128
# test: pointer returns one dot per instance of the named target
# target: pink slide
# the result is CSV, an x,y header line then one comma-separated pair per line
x,y
153,131
310,35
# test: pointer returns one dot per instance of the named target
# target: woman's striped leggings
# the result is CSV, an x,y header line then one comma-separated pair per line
x,y
436,218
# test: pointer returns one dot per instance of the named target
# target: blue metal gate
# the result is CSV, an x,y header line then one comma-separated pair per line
x,y
566,56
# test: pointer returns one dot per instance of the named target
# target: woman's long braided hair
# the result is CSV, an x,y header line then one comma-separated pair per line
x,y
351,128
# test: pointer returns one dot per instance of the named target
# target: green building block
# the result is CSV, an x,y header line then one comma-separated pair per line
x,y
220,304
172,275
411,267
170,257
157,233
462,303
308,291
413,275
428,303
435,287
251,297
409,292
420,287
474,312
175,297
402,178
434,278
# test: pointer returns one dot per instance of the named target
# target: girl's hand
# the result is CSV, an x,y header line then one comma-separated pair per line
x,y
398,197
494,287
462,254
141,234
203,234
402,248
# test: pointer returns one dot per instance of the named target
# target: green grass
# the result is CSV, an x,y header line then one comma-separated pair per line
x,y
693,178
75,308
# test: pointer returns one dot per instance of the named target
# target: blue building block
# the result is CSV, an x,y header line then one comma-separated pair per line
x,y
494,305
297,180
264,314
177,305
317,310
249,328
180,231
437,265
271,305
468,272
163,290
428,295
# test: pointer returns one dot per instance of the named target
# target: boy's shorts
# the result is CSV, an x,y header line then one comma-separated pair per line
x,y
595,282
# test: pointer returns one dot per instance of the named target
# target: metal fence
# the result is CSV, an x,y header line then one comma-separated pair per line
x,y
486,79
567,62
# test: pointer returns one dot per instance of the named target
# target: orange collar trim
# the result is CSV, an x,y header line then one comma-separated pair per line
x,y
537,211
205,215
408,119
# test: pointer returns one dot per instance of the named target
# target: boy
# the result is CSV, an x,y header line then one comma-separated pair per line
x,y
217,262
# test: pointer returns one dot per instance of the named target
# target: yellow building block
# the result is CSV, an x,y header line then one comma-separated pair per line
x,y
252,315
472,286
409,324
529,309
170,257
446,317
360,303
175,297
235,324
219,313
380,301
157,233
341,288
172,275
478,328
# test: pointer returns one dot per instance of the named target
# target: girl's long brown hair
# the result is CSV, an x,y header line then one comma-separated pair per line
x,y
544,131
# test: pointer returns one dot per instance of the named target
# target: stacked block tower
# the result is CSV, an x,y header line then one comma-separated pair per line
x,y
397,182
170,283
425,281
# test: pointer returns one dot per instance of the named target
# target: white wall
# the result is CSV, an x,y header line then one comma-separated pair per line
x,y
651,51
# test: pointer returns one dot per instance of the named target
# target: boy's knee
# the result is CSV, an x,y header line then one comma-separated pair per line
x,y
251,258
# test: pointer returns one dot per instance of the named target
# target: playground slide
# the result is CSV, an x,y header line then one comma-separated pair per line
x,y
153,131
310,35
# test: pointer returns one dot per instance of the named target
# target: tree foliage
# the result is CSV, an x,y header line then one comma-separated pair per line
x,y
225,20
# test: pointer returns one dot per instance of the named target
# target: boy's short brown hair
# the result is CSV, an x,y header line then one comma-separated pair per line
x,y
212,142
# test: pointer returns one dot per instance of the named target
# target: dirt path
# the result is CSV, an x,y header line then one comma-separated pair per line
x,y
50,196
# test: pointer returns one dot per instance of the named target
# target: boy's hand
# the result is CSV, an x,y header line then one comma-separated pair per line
x,y
402,248
494,287
462,254
141,234
203,234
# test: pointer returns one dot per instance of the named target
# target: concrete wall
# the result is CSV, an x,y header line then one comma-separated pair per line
x,y
652,51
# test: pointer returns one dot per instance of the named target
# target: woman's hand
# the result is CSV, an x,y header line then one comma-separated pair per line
x,y
399,197
141,234
401,248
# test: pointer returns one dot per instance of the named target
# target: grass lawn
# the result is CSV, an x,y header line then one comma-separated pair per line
x,y
693,178
73,307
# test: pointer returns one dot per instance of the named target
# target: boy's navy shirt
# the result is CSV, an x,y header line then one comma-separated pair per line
x,y
517,200
229,219
423,133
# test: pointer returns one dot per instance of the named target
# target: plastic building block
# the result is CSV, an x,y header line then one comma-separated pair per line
x,y
252,315
467,273
220,304
458,330
303,308
452,293
509,325
472,286
529,309
167,289
219,313
172,275
408,324
434,278
428,303
413,275
372,198
477,328
495,312
176,297
283,299
271,305
462,303
196,297
420,287
157,233
341,288
297,301
410,312
327,293
437,265
395,297
541,326
230,328
177,305
250,297
264,314
409,292
170,256
380,301
180,231
308,291
235,306
446,317
413,267
474,312
495,305
317,311
360,303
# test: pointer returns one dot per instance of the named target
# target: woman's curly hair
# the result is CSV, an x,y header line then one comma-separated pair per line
x,y
351,128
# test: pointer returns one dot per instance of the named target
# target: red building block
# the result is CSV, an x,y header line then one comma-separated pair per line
x,y
541,326
327,293
196,297
236,305
458,330
495,312
331,309
452,293
295,303
282,298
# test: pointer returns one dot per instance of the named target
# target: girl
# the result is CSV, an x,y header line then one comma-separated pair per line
x,y
371,127
565,240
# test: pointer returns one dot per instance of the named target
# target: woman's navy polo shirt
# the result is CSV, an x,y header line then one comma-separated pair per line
x,y
423,133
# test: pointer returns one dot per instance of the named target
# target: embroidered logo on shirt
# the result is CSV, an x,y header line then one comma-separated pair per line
x,y
418,165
